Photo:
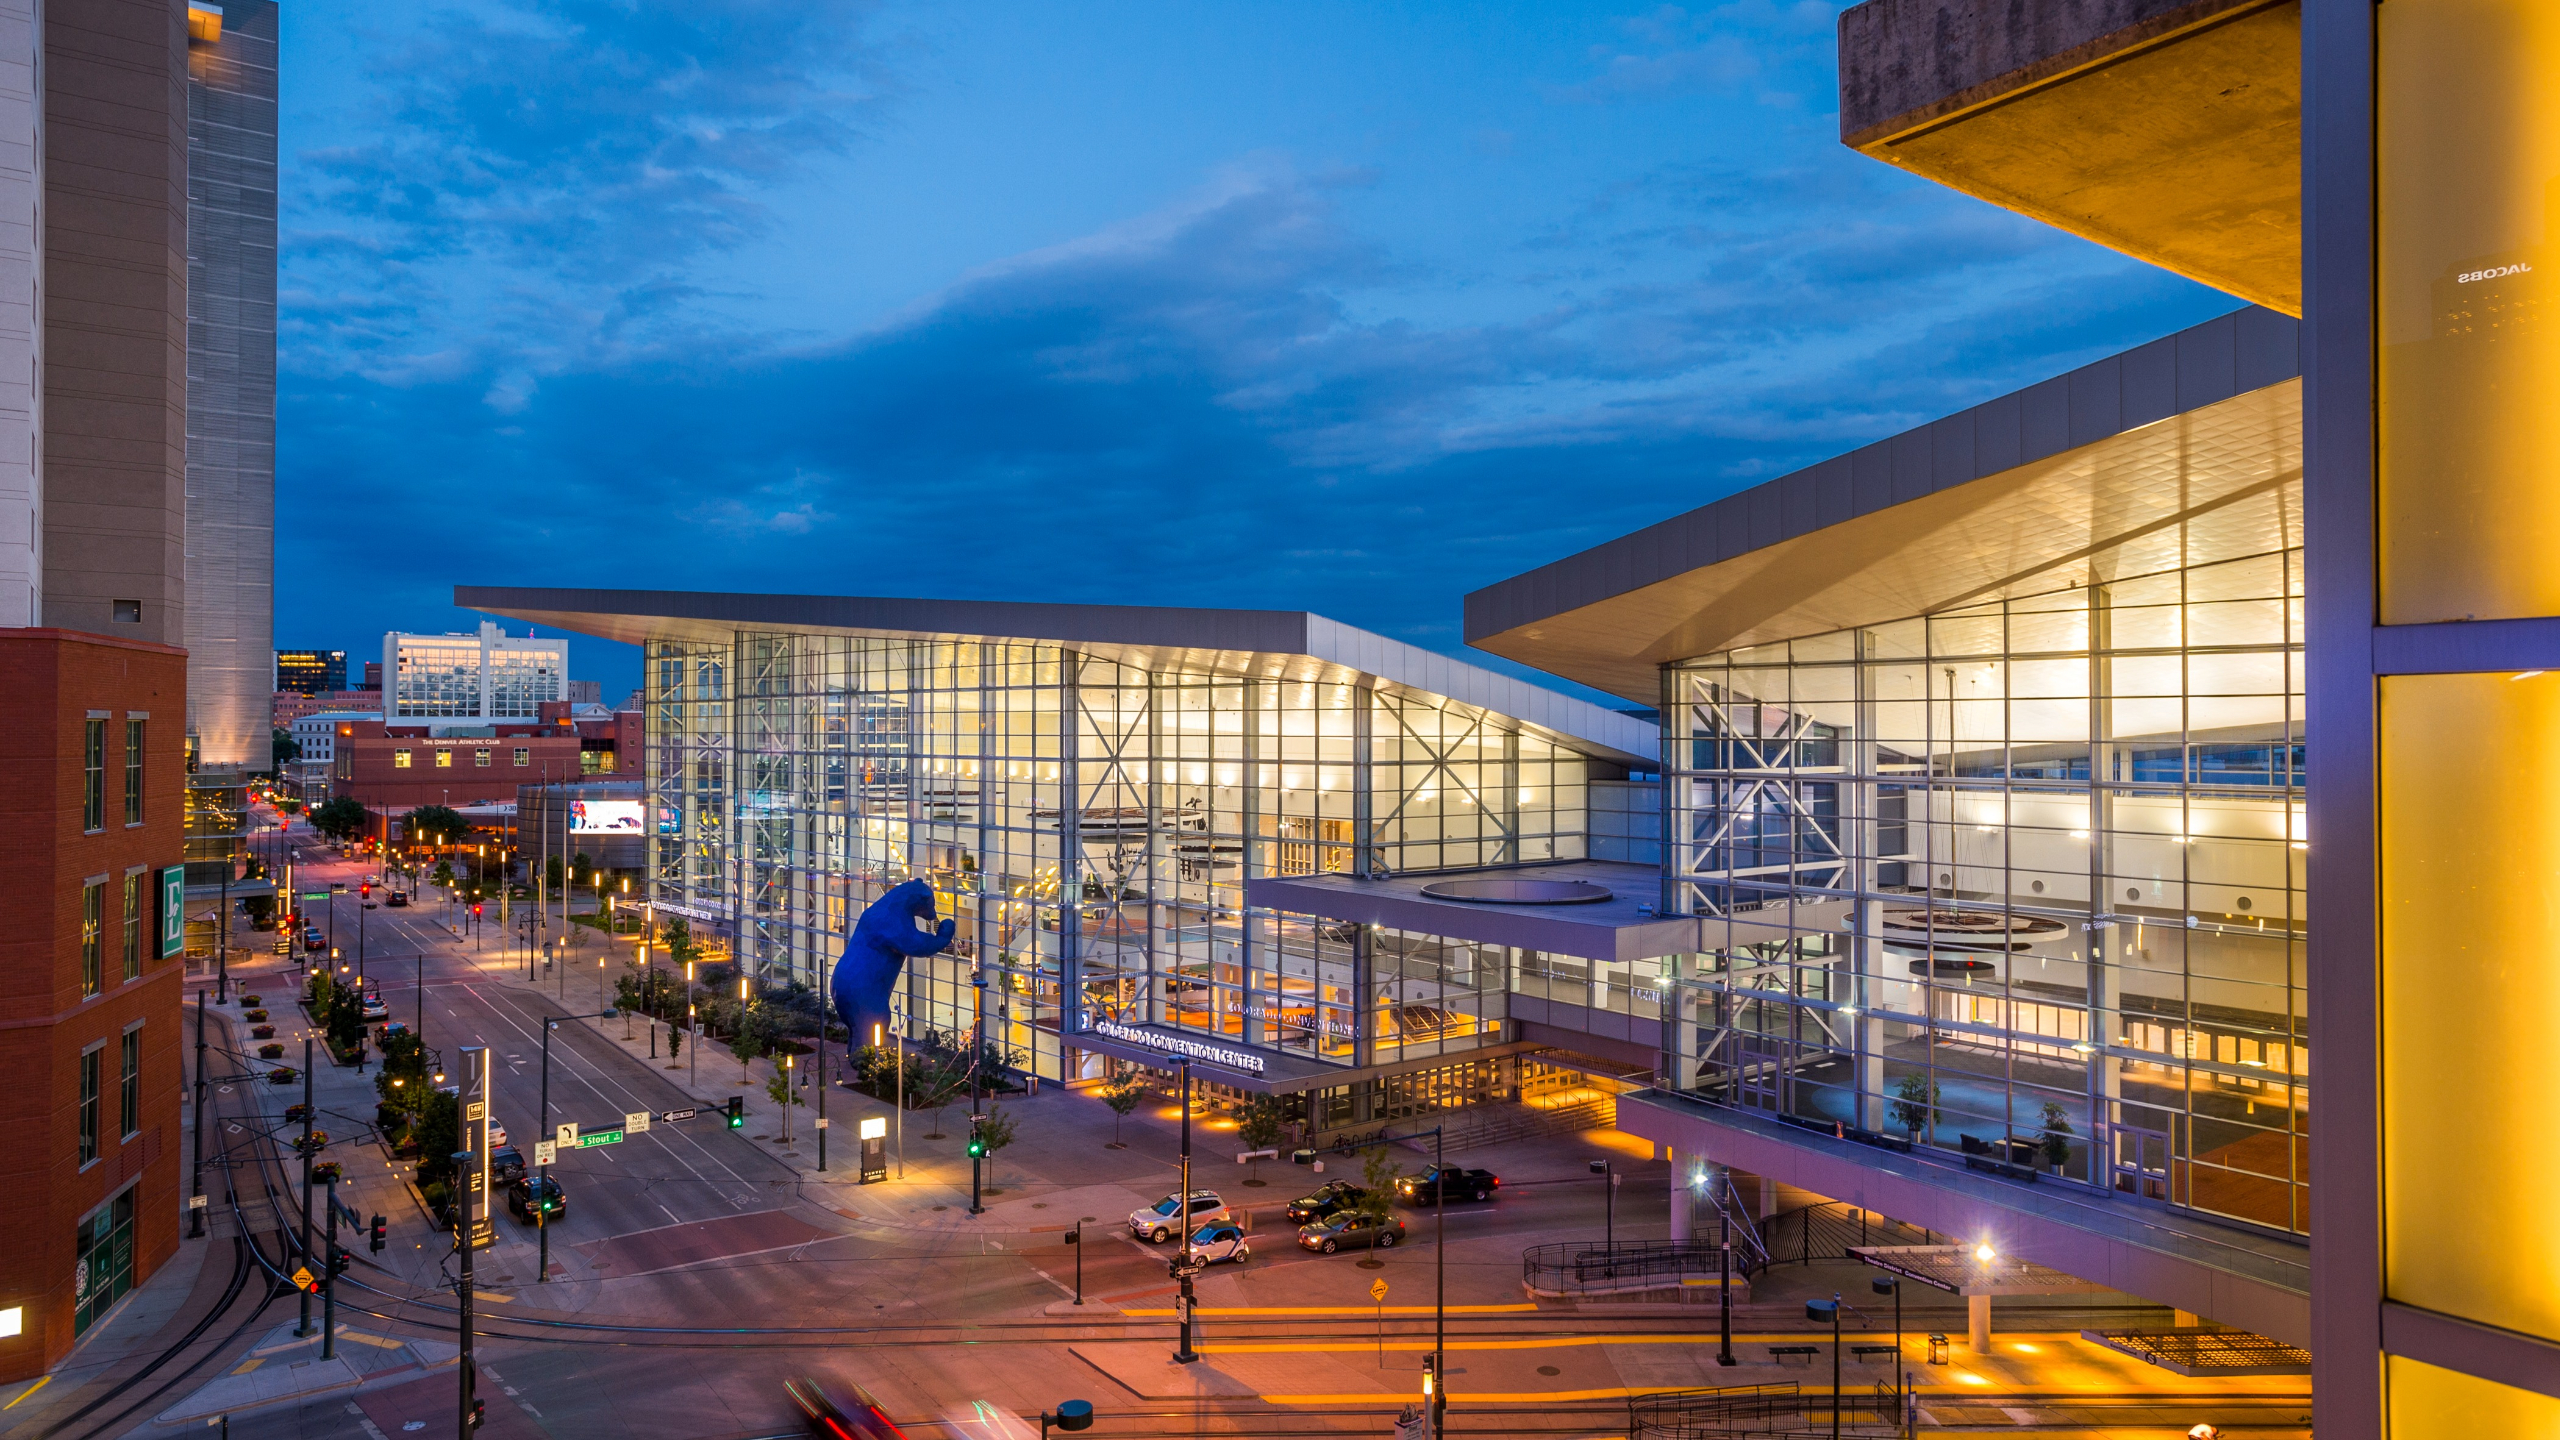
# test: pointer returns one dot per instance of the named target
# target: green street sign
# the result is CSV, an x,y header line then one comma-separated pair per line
x,y
173,911
590,1138
315,894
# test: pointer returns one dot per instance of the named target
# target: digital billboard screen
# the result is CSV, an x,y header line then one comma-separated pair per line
x,y
604,817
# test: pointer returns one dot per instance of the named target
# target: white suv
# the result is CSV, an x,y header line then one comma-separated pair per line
x,y
1165,1219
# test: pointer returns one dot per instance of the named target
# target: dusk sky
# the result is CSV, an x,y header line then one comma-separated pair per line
x,y
1341,307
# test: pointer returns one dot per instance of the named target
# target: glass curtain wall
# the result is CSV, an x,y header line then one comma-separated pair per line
x,y
1090,824
2021,880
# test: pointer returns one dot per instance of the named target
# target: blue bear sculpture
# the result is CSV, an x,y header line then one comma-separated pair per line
x,y
877,950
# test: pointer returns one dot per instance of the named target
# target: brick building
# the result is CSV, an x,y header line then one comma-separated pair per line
x,y
92,777
392,767
94,718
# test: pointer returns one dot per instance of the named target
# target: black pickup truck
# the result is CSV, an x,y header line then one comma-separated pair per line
x,y
1463,1184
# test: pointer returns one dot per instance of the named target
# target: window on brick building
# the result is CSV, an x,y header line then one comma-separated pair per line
x,y
133,927
133,772
93,778
399,759
93,898
89,1106
523,756
444,759
130,1099
480,758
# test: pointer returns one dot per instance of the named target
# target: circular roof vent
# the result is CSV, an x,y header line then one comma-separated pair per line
x,y
1518,892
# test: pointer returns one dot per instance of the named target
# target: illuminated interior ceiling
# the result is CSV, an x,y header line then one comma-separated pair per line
x,y
2170,130
204,23
2213,483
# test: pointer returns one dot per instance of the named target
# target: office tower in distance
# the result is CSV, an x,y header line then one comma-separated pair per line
x,y
311,672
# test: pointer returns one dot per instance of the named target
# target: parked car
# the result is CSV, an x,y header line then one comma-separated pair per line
x,y
374,1008
1462,1183
1351,1232
497,1133
522,1203
1167,1218
856,1417
396,899
1222,1241
1330,1199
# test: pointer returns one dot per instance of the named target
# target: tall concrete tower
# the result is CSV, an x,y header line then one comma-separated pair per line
x,y
231,379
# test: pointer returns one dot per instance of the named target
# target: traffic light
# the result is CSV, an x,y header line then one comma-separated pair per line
x,y
340,1260
737,1112
479,1413
380,1232
475,909
364,891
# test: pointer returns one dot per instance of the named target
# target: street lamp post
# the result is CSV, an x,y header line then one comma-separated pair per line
x,y
542,1127
1183,1353
195,1186
1819,1311
1901,1378
1724,1291
1609,1234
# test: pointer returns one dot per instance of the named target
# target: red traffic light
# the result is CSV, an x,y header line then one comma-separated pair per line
x,y
475,907
364,889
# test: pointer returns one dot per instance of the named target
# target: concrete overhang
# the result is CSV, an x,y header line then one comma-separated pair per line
x,y
2168,129
2182,451
1620,928
1285,645
2229,1274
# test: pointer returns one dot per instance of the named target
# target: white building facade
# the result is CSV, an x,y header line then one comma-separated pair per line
x,y
488,676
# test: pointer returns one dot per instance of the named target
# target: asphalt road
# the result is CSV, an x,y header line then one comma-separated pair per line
x,y
704,1235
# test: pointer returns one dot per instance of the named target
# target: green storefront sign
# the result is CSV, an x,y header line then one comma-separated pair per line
x,y
173,911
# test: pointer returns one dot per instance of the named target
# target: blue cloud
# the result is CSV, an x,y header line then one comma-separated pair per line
x,y
540,328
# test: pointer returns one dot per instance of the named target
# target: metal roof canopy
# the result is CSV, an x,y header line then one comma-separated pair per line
x,y
1288,645
2176,453
1955,1269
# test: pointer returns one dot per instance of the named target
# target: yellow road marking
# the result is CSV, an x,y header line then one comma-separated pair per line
x,y
477,1294
41,1382
1459,1402
252,1363
1343,1310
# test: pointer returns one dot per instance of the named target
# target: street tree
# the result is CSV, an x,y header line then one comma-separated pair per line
x,y
1124,1096
1260,1124
436,824
343,818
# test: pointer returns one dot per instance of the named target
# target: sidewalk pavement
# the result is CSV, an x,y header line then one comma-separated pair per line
x,y
283,1366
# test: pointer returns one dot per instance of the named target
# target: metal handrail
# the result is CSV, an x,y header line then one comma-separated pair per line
x,y
1581,1264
